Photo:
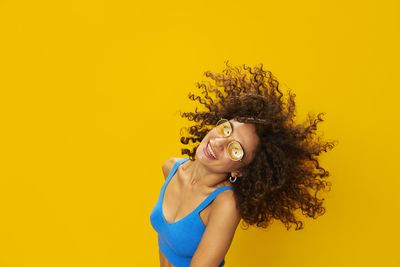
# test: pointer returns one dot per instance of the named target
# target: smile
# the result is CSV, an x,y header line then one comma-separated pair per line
x,y
208,151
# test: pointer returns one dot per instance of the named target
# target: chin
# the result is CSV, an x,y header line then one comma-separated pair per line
x,y
199,155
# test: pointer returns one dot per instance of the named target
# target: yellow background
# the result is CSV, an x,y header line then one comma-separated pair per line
x,y
89,98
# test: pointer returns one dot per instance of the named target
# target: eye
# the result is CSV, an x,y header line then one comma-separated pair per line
x,y
227,130
235,151
224,128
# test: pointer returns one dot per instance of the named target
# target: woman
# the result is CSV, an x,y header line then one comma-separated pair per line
x,y
249,161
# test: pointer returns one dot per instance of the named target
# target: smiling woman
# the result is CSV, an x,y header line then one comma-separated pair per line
x,y
249,161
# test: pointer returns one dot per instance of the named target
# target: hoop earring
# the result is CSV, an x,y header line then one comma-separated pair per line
x,y
234,179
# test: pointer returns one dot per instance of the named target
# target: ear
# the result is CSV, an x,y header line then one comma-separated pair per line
x,y
236,173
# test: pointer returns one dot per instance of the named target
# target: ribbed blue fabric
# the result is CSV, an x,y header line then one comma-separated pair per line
x,y
179,240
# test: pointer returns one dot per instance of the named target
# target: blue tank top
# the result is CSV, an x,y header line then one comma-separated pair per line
x,y
179,240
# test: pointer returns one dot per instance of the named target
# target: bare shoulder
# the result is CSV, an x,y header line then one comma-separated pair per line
x,y
167,166
225,205
217,238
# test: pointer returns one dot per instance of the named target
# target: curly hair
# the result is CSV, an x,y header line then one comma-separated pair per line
x,y
285,174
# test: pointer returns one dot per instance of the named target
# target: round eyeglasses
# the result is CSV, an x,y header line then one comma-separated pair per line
x,y
235,150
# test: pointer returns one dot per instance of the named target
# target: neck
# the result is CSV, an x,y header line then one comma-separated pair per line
x,y
199,176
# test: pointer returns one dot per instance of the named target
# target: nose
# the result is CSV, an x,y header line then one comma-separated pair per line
x,y
218,144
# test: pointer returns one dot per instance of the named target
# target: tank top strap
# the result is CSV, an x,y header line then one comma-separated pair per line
x,y
174,168
212,196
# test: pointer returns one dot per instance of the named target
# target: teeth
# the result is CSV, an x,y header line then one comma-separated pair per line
x,y
210,150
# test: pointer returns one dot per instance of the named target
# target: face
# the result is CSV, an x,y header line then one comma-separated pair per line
x,y
228,146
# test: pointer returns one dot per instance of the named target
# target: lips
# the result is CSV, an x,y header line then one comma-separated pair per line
x,y
206,151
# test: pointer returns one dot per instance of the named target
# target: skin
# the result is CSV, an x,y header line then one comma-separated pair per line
x,y
195,180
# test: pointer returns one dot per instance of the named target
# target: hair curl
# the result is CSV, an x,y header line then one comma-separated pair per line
x,y
285,174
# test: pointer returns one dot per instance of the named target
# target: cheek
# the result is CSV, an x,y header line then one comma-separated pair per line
x,y
227,163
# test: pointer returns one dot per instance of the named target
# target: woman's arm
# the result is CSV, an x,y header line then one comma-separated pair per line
x,y
217,238
164,261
